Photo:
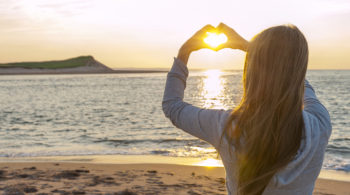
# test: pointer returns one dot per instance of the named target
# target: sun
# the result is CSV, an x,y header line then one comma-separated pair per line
x,y
214,39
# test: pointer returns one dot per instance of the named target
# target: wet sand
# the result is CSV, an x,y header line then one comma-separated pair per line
x,y
123,179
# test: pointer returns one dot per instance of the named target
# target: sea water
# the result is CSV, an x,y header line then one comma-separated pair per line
x,y
64,115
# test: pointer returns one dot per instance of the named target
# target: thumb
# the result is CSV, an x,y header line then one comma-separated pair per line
x,y
221,46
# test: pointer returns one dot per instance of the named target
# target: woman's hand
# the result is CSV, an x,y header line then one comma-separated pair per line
x,y
235,41
194,43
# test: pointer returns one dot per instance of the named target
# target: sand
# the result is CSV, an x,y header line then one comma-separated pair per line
x,y
97,178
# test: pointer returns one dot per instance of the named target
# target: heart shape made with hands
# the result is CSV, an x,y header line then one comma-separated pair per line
x,y
214,39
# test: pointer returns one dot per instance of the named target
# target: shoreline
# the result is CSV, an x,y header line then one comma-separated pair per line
x,y
133,179
149,159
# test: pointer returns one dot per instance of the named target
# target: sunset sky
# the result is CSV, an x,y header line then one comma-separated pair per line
x,y
148,34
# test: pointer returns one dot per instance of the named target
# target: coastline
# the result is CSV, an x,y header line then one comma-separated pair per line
x,y
122,173
148,159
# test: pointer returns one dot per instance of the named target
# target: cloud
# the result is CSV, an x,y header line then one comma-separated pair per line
x,y
24,15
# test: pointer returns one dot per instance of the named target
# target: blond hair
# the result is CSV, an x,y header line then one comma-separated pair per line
x,y
268,123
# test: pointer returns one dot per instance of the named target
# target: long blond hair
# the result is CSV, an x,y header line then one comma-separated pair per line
x,y
266,128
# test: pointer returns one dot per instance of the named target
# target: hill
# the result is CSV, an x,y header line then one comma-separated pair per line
x,y
77,65
69,63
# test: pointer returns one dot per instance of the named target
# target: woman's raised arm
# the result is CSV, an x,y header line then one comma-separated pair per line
x,y
205,124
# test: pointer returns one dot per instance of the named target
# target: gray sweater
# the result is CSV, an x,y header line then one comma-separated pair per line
x,y
298,177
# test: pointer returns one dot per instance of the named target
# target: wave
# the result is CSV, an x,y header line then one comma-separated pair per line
x,y
331,162
341,139
335,148
337,163
156,141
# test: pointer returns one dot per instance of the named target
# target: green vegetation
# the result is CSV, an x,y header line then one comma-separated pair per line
x,y
69,63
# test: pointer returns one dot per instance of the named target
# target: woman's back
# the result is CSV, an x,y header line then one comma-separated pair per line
x,y
299,176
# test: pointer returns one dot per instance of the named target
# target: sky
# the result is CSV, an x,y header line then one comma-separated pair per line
x,y
148,34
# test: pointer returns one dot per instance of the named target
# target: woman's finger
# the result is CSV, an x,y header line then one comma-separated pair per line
x,y
222,46
223,28
205,29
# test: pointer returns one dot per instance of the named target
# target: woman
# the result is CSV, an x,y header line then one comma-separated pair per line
x,y
274,141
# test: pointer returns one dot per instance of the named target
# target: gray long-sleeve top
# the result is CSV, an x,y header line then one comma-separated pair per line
x,y
298,177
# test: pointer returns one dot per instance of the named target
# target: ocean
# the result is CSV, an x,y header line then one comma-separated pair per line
x,y
106,114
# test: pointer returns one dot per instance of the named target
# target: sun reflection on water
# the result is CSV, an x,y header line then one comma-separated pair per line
x,y
213,89
210,162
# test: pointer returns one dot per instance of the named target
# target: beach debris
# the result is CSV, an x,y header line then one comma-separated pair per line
x,y
67,174
59,191
125,192
137,187
203,177
121,174
82,171
191,185
30,189
194,192
103,180
43,186
30,168
78,192
2,174
152,171
23,175
170,173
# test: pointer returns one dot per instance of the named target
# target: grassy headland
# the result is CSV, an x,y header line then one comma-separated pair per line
x,y
69,63
77,65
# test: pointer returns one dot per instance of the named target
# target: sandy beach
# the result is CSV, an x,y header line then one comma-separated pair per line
x,y
101,178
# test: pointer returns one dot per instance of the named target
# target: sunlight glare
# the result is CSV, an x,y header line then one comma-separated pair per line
x,y
210,163
215,39
213,89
